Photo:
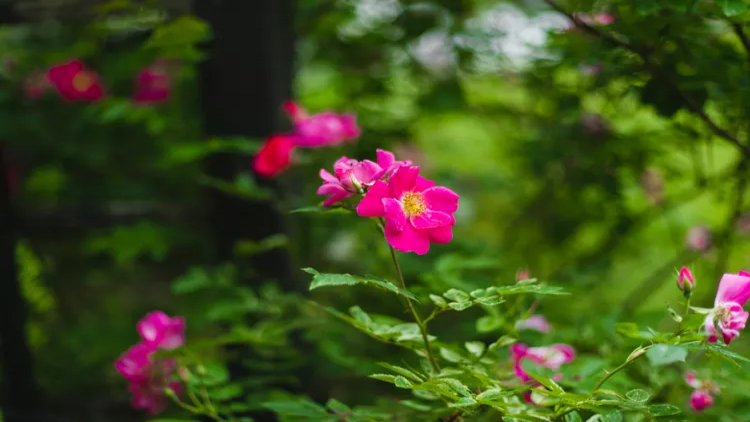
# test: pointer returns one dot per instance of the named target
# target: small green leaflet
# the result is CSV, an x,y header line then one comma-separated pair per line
x,y
663,410
663,354
732,7
326,280
639,396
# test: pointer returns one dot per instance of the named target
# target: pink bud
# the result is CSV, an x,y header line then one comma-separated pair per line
x,y
700,400
522,274
685,276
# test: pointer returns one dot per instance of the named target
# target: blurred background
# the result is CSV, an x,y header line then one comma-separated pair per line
x,y
587,163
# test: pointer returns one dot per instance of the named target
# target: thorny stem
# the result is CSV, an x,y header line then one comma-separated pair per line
x,y
624,365
417,319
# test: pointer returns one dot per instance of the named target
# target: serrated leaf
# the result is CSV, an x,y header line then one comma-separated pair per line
x,y
457,295
426,395
720,350
457,386
338,407
550,384
402,382
402,371
490,301
329,280
528,286
663,410
637,395
476,348
464,402
664,354
422,407
439,301
384,377
451,356
460,306
494,394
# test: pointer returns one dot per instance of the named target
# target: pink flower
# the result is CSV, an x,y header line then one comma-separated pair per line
x,y
699,238
349,176
74,82
701,398
321,129
153,84
598,19
160,330
728,315
552,357
416,212
147,375
685,276
275,156
534,322
522,274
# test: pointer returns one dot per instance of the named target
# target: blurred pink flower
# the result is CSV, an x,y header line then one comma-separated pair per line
x,y
652,183
728,315
323,129
75,82
522,274
699,238
701,398
534,322
147,375
153,84
274,156
685,276
349,176
551,357
416,212
593,20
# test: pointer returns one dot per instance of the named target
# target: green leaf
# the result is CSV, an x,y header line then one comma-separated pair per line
x,y
732,7
426,395
720,350
402,371
320,209
692,322
457,386
573,417
526,286
384,377
488,323
503,341
460,306
422,407
663,410
637,395
612,417
664,354
402,382
457,295
464,402
476,348
547,382
494,394
338,407
226,392
326,280
439,301
297,408
451,356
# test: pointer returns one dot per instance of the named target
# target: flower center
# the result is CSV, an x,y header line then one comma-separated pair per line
x,y
82,81
723,313
413,203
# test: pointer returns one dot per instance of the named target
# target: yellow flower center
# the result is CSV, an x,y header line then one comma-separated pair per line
x,y
82,81
413,204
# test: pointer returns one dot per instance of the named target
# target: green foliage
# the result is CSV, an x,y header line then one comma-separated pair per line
x,y
326,280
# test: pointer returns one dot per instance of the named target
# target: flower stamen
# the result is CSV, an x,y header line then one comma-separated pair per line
x,y
413,204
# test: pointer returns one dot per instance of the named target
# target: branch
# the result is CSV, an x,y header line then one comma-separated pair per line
x,y
657,71
738,29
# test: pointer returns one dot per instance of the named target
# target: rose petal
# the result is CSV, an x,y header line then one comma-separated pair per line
x,y
733,288
442,199
372,204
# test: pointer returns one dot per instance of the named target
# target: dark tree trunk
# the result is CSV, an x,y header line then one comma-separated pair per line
x,y
243,83
20,397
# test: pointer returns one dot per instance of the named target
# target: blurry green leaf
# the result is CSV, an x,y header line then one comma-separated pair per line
x,y
127,243
663,354
494,394
326,280
573,417
732,7
402,382
225,392
402,371
451,356
213,373
426,395
338,407
297,408
422,407
246,247
612,417
244,186
720,350
639,396
201,278
456,386
692,322
663,410
439,301
457,295
476,348
321,209
460,306
384,377
488,323
464,402
503,341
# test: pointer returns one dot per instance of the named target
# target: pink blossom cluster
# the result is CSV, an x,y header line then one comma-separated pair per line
x,y
148,376
73,81
310,131
416,212
551,357
704,390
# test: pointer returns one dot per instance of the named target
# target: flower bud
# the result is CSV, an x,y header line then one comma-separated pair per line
x,y
522,274
685,281
636,353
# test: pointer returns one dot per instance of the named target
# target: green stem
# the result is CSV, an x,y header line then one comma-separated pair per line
x,y
687,307
618,369
417,319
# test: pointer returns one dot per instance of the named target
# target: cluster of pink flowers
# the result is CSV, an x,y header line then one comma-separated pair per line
x,y
73,81
702,396
147,375
416,212
551,357
728,317
310,131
